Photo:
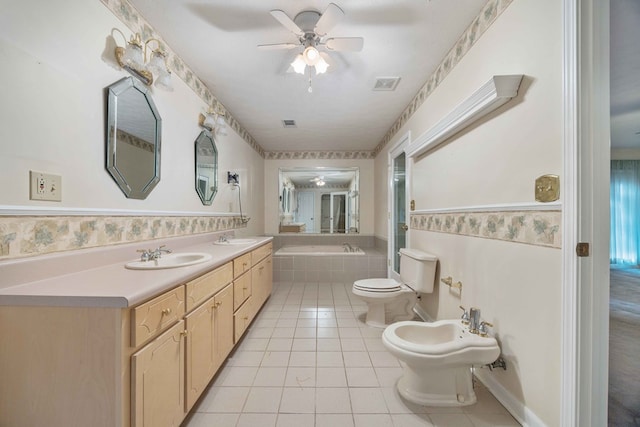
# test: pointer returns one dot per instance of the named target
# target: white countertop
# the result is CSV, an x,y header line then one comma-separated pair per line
x,y
110,285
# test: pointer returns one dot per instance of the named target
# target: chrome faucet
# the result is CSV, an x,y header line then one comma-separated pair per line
x,y
474,320
347,247
223,238
158,252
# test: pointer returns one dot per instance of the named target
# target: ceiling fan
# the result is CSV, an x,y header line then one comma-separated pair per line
x,y
311,28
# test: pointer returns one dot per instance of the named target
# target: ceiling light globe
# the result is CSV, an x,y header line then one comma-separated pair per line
x,y
321,66
311,55
298,64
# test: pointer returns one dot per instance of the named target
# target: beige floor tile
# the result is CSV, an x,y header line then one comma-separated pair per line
x,y
300,377
372,420
253,420
295,420
275,358
334,420
333,401
263,400
224,399
208,420
361,377
330,377
270,377
367,401
298,400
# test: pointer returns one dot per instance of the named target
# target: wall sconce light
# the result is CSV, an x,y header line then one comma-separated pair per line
x,y
213,120
133,58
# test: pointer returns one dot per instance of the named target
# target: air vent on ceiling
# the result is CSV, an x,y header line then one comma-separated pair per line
x,y
289,123
386,83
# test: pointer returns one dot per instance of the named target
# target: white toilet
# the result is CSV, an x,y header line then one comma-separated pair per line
x,y
437,360
390,301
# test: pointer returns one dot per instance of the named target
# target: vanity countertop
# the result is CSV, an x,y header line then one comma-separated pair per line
x,y
109,284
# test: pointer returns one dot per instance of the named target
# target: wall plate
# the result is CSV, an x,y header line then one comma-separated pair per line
x,y
547,188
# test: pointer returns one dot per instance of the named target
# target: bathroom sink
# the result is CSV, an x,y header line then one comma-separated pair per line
x,y
235,242
170,261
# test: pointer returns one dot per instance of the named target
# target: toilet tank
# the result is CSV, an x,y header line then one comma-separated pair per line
x,y
418,269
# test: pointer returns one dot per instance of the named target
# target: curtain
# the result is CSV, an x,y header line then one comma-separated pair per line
x,y
625,211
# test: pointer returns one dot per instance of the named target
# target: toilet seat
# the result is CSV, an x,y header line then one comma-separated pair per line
x,y
377,285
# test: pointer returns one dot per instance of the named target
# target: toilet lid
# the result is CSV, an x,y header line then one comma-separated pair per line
x,y
377,285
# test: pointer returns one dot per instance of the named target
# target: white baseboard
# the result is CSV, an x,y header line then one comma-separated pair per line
x,y
516,408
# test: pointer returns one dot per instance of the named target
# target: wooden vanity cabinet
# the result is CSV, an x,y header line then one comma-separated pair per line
x,y
142,366
157,379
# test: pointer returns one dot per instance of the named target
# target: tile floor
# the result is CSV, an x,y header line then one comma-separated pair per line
x,y
309,359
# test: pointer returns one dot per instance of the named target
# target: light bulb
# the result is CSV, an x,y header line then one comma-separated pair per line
x,y
311,55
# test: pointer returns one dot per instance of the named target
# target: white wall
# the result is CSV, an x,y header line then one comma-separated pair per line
x,y
271,179
53,112
494,162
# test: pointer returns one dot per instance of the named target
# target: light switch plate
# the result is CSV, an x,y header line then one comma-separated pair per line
x,y
45,186
547,188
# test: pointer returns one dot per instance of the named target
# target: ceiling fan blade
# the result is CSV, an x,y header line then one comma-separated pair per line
x,y
331,16
352,44
287,22
277,46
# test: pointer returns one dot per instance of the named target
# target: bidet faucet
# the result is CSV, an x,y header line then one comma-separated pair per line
x,y
474,320
348,247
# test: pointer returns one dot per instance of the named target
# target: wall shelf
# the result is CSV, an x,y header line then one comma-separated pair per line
x,y
493,94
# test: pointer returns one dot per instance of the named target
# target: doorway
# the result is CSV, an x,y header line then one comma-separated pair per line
x,y
399,213
306,210
334,212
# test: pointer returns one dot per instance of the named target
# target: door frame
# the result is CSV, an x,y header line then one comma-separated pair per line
x,y
585,213
313,210
399,147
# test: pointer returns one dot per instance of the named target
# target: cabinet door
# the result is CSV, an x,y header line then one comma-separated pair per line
x,y
201,350
157,375
223,324
261,281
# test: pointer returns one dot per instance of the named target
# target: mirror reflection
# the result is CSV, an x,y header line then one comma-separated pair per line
x,y
133,138
319,200
206,167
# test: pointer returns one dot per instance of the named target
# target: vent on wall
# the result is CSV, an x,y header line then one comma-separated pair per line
x,y
386,83
289,123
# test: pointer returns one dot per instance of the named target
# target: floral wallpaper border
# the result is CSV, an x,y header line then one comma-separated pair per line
x,y
539,228
480,24
22,236
319,155
124,11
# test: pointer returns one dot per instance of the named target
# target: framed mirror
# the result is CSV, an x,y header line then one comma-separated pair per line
x,y
133,138
319,200
206,167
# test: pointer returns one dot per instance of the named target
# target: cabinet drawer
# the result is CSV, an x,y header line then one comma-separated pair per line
x,y
152,317
260,253
241,290
198,290
241,264
242,318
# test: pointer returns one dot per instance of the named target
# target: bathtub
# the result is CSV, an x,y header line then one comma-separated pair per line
x,y
318,250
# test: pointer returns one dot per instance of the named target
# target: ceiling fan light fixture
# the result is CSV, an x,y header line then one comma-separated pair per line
x,y
311,55
299,64
321,66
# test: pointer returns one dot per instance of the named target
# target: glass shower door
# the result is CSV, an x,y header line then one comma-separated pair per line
x,y
399,225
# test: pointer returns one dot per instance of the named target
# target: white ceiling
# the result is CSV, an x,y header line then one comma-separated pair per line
x,y
403,38
625,73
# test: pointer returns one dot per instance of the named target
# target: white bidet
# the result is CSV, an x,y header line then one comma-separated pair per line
x,y
437,360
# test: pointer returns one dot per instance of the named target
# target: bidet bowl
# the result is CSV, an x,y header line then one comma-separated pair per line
x,y
173,260
441,343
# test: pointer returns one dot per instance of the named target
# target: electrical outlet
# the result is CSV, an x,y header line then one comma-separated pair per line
x,y
45,186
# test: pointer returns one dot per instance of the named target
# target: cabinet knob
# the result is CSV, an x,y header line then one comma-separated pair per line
x,y
217,304
244,289
166,312
244,264
246,317
184,333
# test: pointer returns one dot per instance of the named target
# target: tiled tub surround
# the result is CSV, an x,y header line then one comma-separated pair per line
x,y
329,268
302,239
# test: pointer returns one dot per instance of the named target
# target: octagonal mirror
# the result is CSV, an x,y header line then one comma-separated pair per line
x,y
206,167
133,138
